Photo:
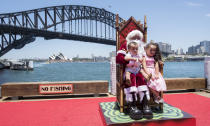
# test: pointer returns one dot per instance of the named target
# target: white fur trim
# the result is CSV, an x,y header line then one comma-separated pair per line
x,y
133,89
148,95
138,41
122,52
129,97
143,88
133,33
130,89
141,94
127,91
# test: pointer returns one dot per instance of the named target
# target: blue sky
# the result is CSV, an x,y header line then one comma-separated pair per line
x,y
181,23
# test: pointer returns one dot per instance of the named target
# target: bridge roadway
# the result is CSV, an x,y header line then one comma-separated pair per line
x,y
56,35
53,35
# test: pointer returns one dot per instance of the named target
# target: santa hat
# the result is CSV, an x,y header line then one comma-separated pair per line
x,y
132,34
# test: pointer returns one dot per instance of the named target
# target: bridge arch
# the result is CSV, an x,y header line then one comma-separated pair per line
x,y
90,24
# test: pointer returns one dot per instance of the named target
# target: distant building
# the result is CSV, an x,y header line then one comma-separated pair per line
x,y
202,48
191,50
172,52
58,57
164,47
205,47
101,59
179,51
198,49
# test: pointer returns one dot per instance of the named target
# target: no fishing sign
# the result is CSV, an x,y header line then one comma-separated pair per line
x,y
55,88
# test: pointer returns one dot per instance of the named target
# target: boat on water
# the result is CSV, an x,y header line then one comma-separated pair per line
x,y
4,64
21,65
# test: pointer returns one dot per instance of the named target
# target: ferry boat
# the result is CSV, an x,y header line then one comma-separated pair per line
x,y
21,65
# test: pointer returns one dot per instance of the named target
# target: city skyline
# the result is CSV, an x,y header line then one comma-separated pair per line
x,y
202,47
179,23
165,47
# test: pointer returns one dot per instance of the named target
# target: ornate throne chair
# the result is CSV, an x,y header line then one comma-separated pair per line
x,y
123,29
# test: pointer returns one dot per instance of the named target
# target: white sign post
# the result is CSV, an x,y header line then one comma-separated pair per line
x,y
207,71
113,75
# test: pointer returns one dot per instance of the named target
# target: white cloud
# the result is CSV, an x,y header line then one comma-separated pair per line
x,y
207,15
194,4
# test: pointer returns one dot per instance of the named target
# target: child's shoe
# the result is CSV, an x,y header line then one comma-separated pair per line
x,y
161,100
158,100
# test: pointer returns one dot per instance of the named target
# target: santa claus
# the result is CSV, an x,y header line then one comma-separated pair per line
x,y
137,84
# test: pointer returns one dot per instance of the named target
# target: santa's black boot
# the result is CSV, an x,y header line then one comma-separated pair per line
x,y
157,109
133,111
147,112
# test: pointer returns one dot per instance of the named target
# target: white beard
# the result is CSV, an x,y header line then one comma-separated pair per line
x,y
141,47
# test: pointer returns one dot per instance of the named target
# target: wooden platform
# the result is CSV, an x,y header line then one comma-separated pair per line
x,y
54,88
171,116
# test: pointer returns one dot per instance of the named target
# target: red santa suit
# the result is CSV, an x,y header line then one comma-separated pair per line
x,y
138,83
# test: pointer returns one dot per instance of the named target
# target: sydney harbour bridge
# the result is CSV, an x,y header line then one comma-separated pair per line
x,y
70,22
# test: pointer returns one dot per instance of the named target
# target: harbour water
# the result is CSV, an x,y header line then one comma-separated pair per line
x,y
75,71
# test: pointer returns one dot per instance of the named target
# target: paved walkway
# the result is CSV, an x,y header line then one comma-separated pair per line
x,y
203,93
